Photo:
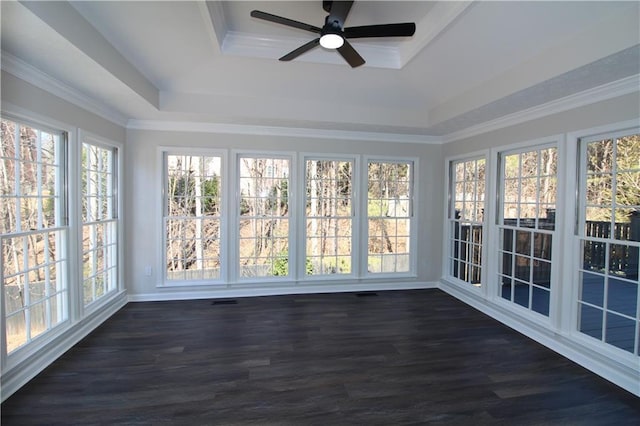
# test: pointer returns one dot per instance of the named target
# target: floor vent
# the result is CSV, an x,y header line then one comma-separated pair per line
x,y
225,302
366,294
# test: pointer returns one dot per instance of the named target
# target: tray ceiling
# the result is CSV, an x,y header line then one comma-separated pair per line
x,y
210,62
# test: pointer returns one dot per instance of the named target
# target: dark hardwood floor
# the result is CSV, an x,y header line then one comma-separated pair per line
x,y
398,357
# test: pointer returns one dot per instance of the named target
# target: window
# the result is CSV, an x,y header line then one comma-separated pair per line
x,y
263,210
526,227
192,221
99,221
329,212
389,207
609,236
33,231
466,216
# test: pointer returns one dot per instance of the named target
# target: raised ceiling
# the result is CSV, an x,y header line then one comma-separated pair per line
x,y
469,63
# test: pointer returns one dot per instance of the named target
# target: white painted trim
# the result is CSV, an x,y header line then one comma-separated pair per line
x,y
27,72
257,46
278,290
607,91
242,129
20,374
619,373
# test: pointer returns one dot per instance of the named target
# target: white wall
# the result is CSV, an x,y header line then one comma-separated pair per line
x,y
142,202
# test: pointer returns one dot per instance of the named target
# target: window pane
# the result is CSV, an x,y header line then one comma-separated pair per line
x,y
389,198
99,233
328,211
31,179
466,221
192,221
528,195
611,230
264,209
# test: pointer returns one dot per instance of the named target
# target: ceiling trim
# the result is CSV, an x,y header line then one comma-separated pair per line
x,y
251,45
247,44
32,75
604,92
242,129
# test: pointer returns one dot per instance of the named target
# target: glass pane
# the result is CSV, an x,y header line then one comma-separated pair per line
x,y
529,163
542,273
523,242
599,215
540,300
38,319
591,321
521,293
523,268
542,245
620,332
592,288
599,190
512,166
13,294
618,257
622,296
593,255
16,331
600,156
628,153
506,288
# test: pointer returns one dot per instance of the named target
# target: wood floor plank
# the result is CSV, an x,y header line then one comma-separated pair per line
x,y
399,357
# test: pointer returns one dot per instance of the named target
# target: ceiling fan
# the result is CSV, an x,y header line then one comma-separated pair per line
x,y
333,35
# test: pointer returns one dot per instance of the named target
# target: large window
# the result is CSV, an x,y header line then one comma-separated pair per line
x,y
389,210
329,211
263,210
33,231
526,226
466,217
100,221
192,217
609,235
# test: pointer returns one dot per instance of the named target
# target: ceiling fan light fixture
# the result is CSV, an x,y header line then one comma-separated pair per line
x,y
331,41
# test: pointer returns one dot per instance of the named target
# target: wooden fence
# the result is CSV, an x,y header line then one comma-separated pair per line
x,y
623,259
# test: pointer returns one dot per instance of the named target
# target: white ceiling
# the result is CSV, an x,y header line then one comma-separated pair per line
x,y
210,62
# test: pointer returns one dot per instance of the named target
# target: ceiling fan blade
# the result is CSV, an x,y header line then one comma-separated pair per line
x,y
284,21
300,50
350,55
339,11
385,30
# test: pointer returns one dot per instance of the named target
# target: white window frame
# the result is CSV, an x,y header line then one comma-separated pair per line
x,y
364,226
355,215
163,153
496,212
575,235
118,213
67,246
448,221
294,256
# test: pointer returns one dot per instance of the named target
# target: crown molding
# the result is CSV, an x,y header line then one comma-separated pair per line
x,y
27,72
240,129
604,92
246,44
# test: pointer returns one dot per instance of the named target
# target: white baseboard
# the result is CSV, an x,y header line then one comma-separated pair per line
x,y
227,292
18,375
598,362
